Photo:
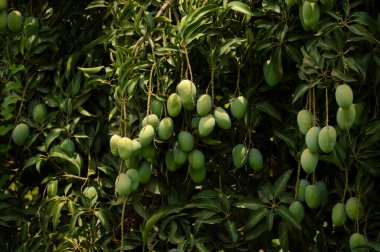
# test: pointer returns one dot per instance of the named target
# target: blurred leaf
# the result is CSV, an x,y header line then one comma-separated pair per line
x,y
269,109
287,216
281,183
240,7
256,217
231,229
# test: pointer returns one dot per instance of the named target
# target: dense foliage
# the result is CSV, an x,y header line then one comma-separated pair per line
x,y
227,164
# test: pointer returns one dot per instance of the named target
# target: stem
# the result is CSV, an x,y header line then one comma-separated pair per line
x,y
327,107
149,90
212,84
163,7
314,109
122,225
298,179
188,64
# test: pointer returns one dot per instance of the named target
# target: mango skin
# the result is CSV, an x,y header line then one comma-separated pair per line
x,y
123,185
304,121
187,91
313,197
239,155
327,139
271,76
297,209
354,208
357,239
197,175
346,117
302,184
310,14
165,128
20,134
206,125
14,21
309,161
204,105
344,96
255,159
186,141
239,107
174,105
222,118
338,215
311,139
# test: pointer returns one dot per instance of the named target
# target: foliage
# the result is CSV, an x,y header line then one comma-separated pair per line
x,y
101,66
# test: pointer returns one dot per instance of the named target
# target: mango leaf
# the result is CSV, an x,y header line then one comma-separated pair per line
x,y
285,214
300,91
60,154
269,109
103,219
287,137
252,204
57,213
256,232
150,223
91,70
281,183
240,7
231,229
373,245
336,73
51,136
283,235
256,217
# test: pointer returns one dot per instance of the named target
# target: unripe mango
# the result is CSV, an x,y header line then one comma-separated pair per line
x,y
186,141
302,184
165,128
222,118
14,21
151,119
187,92
255,159
310,14
39,113
136,147
156,107
356,240
169,161
135,179
309,161
197,175
204,105
297,210
174,105
272,76
313,197
125,148
196,159
344,96
338,215
146,135
239,155
354,208
239,107
346,117
311,139
304,121
327,139
145,172
123,185
206,125
20,134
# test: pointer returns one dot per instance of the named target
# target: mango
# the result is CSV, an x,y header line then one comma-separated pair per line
x,y
174,105
356,240
187,92
14,21
133,175
39,113
344,96
125,148
272,76
123,185
311,139
204,105
338,215
169,161
165,128
304,121
346,117
239,107
197,175
239,155
302,184
151,119
309,161
20,134
313,197
146,135
156,107
354,209
196,159
222,118
297,210
145,172
255,159
310,14
186,141
327,139
206,125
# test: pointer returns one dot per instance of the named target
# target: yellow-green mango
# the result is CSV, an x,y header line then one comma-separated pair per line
x,y
174,105
222,118
125,148
311,139
197,175
196,159
204,105
344,96
304,121
346,117
338,215
165,128
239,107
146,135
187,92
309,161
206,125
123,185
327,139
20,134
239,155
255,159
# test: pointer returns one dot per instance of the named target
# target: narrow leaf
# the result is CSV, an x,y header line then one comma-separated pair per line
x,y
281,183
240,7
231,229
287,215
150,222
256,217
252,204
269,109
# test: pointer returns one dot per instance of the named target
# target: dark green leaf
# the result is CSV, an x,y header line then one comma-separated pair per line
x,y
252,204
286,215
269,109
256,217
232,231
281,183
240,7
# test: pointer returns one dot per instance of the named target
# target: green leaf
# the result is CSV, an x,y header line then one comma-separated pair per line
x,y
252,204
336,73
300,91
287,137
57,213
51,136
256,217
281,183
373,245
283,235
231,229
60,154
103,219
240,7
269,109
33,160
285,214
150,223
97,4
91,70
372,127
